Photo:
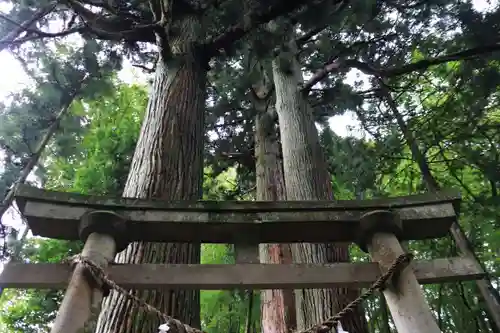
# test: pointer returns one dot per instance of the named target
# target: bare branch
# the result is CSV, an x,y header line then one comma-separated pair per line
x,y
155,8
29,71
145,68
420,65
256,17
6,147
22,27
36,34
114,27
35,157
467,54
109,28
112,8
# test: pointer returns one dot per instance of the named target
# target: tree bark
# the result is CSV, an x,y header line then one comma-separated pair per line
x,y
277,306
307,178
488,293
168,164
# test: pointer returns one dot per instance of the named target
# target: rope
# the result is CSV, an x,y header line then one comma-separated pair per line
x,y
99,275
399,264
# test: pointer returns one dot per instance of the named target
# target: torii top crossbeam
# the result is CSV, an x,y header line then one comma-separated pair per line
x,y
57,215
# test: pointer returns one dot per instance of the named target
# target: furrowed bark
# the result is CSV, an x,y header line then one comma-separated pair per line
x,y
277,306
168,164
307,178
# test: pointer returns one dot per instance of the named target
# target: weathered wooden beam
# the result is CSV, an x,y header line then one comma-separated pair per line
x,y
239,276
57,215
61,222
29,193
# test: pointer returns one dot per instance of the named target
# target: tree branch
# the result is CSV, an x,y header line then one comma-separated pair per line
x,y
68,100
21,27
37,34
310,34
145,68
456,56
256,17
114,27
423,64
108,28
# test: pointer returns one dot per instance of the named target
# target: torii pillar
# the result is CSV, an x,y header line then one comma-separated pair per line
x,y
410,311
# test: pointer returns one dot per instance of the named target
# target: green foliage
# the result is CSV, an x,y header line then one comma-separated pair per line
x,y
451,109
97,164
223,310
33,310
100,162
59,75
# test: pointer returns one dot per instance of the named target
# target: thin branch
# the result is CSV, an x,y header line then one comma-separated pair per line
x,y
145,68
256,17
39,14
310,34
27,70
155,8
114,27
456,56
424,64
106,5
17,24
7,147
35,157
40,35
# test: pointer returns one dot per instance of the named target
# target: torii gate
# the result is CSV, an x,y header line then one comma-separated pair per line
x,y
107,225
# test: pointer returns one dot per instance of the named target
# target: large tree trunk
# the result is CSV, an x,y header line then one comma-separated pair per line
x,y
307,178
168,164
489,294
277,306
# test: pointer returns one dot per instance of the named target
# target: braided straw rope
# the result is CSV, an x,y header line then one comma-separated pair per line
x,y
99,275
399,264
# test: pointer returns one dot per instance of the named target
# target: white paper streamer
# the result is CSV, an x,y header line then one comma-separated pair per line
x,y
163,328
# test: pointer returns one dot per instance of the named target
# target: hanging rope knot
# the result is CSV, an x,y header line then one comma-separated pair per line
x,y
97,276
392,275
93,272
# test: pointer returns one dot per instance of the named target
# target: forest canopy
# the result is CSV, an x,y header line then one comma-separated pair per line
x,y
421,78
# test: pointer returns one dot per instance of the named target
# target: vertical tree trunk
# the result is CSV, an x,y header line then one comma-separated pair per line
x,y
488,293
277,306
168,164
307,178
